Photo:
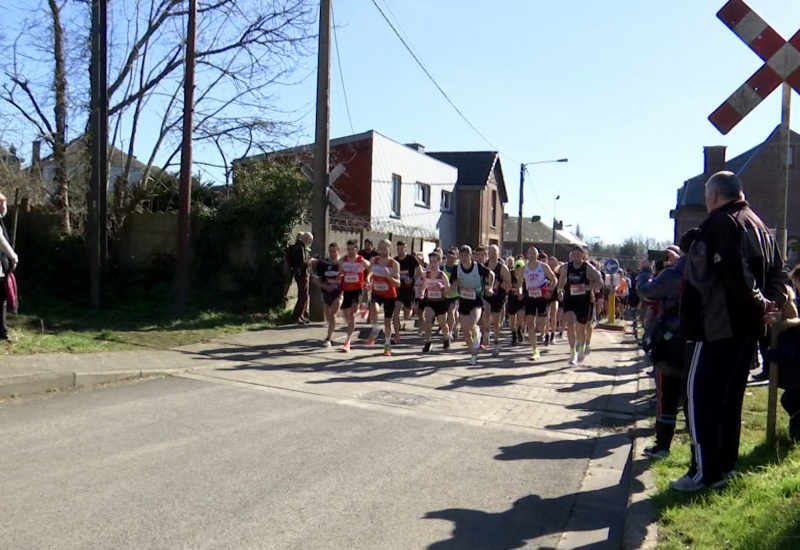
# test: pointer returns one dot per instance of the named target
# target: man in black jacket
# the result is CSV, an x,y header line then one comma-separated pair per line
x,y
300,254
733,278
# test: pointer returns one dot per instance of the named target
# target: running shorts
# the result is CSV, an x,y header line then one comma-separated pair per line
x,y
387,303
496,302
439,307
351,297
406,296
515,304
536,306
329,297
465,307
581,307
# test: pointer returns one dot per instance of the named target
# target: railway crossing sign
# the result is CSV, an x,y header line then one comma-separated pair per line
x,y
781,63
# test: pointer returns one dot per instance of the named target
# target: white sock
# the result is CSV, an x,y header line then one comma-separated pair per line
x,y
388,339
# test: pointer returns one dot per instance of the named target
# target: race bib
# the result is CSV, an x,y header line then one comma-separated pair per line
x,y
434,294
535,293
575,290
331,274
468,293
379,271
381,287
351,278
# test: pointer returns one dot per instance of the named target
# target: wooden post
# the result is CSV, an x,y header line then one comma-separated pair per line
x,y
781,237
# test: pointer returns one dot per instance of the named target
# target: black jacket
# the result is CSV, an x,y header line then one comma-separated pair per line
x,y
5,261
733,269
298,254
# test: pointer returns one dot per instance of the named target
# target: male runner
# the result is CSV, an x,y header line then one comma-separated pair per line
x,y
433,303
452,294
516,301
385,280
474,281
539,284
355,274
579,278
497,301
405,294
554,307
326,275
482,258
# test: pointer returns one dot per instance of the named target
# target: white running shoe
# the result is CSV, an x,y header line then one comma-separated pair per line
x,y
573,358
473,360
581,354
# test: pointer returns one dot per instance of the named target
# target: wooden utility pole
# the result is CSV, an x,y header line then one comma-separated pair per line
x,y
98,153
784,140
519,220
319,200
185,195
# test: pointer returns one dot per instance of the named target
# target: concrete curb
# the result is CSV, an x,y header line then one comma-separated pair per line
x,y
641,525
25,386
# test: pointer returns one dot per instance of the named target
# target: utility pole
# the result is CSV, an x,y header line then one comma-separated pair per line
x,y
98,153
185,194
519,220
319,199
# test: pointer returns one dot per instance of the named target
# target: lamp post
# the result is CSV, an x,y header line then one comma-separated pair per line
x,y
521,187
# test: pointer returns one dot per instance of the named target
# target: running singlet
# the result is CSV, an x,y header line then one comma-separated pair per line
x,y
577,281
353,274
470,283
450,272
380,278
498,279
433,290
408,267
535,281
328,271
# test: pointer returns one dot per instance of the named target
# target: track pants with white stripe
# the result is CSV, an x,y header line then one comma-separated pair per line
x,y
716,379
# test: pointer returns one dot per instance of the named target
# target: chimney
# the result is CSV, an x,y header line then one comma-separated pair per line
x,y
714,160
37,151
417,147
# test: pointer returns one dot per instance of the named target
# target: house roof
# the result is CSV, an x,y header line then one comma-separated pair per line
x,y
537,232
116,156
693,190
475,167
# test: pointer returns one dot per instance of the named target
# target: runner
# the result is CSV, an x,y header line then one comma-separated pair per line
x,y
326,275
516,302
539,284
355,274
500,288
482,257
593,297
433,301
579,278
452,293
473,281
385,281
554,307
409,266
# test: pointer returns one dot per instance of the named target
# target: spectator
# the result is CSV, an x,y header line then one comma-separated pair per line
x,y
787,355
733,278
300,254
368,252
668,343
8,262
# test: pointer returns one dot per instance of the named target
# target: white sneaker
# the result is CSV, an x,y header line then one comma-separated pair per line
x,y
327,343
581,354
473,360
573,358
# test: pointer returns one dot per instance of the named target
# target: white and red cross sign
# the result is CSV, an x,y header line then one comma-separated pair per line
x,y
782,64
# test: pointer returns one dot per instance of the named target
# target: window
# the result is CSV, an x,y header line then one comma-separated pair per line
x,y
423,195
494,208
447,201
397,183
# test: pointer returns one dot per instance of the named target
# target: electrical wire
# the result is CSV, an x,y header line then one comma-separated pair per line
x,y
341,74
410,51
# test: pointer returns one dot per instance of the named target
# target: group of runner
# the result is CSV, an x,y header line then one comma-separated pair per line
x,y
466,291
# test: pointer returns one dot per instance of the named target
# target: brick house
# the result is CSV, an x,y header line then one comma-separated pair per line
x,y
759,170
480,196
389,189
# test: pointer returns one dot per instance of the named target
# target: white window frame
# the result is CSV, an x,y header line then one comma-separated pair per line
x,y
422,196
446,204
494,209
397,195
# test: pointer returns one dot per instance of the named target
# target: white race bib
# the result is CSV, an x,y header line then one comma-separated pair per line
x,y
331,274
575,290
350,278
434,294
381,287
535,293
468,293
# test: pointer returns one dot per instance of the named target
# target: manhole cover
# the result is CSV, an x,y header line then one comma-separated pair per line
x,y
395,398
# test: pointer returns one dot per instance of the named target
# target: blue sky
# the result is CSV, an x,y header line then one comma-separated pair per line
x,y
623,88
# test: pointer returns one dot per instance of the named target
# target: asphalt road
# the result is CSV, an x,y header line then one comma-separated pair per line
x,y
184,463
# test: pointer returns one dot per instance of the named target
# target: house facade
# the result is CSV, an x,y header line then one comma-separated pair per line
x,y
759,170
389,189
480,196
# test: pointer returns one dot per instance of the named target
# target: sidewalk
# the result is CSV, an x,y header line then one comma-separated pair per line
x,y
603,401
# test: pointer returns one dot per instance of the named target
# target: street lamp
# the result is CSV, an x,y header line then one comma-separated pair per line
x,y
521,186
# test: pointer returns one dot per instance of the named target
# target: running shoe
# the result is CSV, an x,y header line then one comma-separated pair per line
x,y
326,343
372,335
387,350
514,338
573,358
546,339
346,347
687,484
427,347
496,351
654,451
446,344
473,360
535,354
581,354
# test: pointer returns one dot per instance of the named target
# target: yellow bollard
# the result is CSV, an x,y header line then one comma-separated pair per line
x,y
611,308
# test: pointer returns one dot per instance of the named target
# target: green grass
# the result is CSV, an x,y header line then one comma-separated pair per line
x,y
758,510
64,328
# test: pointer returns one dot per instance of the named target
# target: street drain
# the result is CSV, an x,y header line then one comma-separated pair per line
x,y
395,398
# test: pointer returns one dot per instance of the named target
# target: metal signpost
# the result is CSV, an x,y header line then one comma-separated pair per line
x,y
781,66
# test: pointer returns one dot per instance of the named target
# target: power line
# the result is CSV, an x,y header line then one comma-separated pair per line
x,y
431,77
341,74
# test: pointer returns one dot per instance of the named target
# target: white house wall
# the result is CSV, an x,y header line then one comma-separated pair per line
x,y
390,157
